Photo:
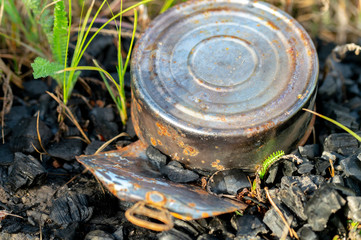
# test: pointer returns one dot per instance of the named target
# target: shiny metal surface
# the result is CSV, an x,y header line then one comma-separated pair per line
x,y
128,176
220,84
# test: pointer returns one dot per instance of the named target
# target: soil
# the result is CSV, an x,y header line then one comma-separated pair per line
x,y
52,197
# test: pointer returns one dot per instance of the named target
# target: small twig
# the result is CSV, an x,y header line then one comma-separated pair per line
x,y
70,116
4,213
339,52
71,179
38,133
332,169
7,103
109,142
293,157
291,231
40,230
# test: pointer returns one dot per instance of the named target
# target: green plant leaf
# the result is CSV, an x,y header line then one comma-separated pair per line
x,y
274,157
44,68
60,33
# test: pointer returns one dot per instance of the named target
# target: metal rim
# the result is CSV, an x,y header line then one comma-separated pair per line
x,y
304,53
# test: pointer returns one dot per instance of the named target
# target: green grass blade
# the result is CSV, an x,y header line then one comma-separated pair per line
x,y
131,43
106,83
167,4
336,123
120,59
30,48
112,19
65,90
88,68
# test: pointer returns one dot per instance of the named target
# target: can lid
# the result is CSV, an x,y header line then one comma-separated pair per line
x,y
224,65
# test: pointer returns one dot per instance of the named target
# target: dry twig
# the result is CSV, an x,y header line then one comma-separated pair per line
x,y
70,115
110,141
291,231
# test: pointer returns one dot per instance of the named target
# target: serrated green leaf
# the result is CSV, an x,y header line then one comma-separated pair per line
x,y
60,32
44,68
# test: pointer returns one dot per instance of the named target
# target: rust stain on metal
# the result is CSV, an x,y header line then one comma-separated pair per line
x,y
162,130
191,151
153,141
125,173
136,186
272,25
205,215
182,217
217,165
192,205
201,99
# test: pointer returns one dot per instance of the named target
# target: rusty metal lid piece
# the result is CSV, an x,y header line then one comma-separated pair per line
x,y
127,174
223,69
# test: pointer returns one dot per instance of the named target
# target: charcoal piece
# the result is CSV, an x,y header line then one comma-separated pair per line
x,y
156,158
69,209
94,146
354,205
322,166
345,191
6,156
25,136
185,227
309,151
130,128
26,172
68,233
173,234
15,115
354,103
47,111
35,88
273,220
306,233
176,173
308,184
353,184
289,168
342,143
119,233
328,87
294,199
305,167
351,166
103,121
322,204
345,118
221,226
295,191
98,234
248,226
337,224
5,130
123,142
272,174
66,149
207,237
13,227
228,182
329,156
337,179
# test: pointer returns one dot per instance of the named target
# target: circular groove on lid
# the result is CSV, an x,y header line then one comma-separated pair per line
x,y
224,65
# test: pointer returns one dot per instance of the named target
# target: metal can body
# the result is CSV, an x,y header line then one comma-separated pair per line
x,y
220,84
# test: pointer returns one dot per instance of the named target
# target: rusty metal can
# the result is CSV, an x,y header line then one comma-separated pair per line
x,y
220,84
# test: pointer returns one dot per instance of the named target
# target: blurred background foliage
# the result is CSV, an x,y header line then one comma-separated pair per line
x,y
22,36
